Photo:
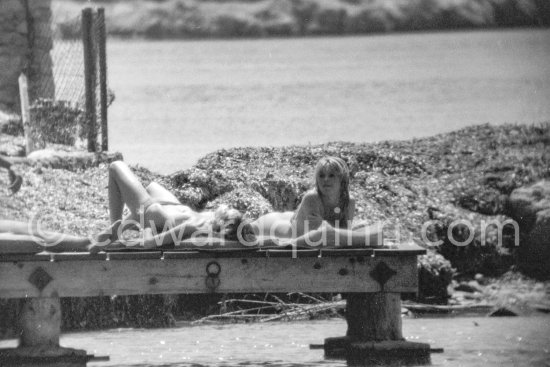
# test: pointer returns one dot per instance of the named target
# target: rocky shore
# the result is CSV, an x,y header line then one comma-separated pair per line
x,y
440,192
285,18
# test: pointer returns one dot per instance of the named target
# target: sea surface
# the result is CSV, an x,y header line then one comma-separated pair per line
x,y
179,100
466,341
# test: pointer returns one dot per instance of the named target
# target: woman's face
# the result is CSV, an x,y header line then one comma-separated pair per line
x,y
329,181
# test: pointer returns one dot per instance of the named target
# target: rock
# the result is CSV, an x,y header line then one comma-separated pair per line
x,y
458,297
480,279
525,202
71,161
470,242
502,311
473,296
486,201
529,206
475,286
540,307
469,287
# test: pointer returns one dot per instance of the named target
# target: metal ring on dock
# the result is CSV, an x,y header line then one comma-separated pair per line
x,y
212,280
213,268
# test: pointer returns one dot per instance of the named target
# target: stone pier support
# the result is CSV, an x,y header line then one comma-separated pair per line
x,y
39,330
374,334
40,322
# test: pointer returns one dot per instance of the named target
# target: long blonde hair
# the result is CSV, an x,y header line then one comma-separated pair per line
x,y
336,164
227,221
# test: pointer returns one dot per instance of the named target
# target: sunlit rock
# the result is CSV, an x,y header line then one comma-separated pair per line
x,y
530,207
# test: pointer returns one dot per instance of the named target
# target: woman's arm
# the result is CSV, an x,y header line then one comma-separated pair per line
x,y
308,215
327,235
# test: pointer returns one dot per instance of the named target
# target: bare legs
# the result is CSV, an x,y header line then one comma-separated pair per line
x,y
161,194
124,188
22,237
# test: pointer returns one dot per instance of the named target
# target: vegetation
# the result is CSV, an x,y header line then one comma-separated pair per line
x,y
57,122
282,18
466,174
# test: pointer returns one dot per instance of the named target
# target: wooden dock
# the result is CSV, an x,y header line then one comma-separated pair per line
x,y
371,279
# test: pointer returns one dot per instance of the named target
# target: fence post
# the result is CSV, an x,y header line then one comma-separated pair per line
x,y
89,77
102,54
25,113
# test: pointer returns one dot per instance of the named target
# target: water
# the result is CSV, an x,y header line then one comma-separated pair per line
x,y
179,100
467,341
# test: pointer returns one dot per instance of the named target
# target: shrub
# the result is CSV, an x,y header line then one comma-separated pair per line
x,y
57,122
13,126
435,274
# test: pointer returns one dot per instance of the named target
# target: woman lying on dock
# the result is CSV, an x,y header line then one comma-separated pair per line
x,y
162,217
325,214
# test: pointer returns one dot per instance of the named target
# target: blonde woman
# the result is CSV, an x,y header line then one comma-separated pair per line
x,y
325,214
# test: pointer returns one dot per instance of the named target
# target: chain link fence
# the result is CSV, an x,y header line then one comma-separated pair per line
x,y
70,106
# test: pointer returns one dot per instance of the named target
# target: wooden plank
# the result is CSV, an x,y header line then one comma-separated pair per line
x,y
175,255
346,252
15,257
77,256
142,255
167,276
292,253
400,249
398,253
231,253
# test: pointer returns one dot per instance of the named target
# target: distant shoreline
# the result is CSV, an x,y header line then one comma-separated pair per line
x,y
263,18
